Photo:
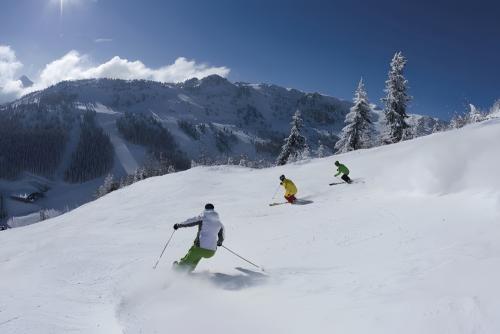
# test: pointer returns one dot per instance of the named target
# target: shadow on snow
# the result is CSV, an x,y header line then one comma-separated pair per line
x,y
244,280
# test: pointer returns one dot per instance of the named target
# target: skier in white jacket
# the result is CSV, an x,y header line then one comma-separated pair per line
x,y
210,235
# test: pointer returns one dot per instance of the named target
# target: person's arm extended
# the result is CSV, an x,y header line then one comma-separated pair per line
x,y
195,221
338,172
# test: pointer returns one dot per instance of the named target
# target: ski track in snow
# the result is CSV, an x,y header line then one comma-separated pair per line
x,y
122,152
414,249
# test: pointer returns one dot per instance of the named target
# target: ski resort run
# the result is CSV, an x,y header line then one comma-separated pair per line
x,y
411,248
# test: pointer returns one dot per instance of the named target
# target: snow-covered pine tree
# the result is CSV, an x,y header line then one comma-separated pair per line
x,y
410,132
321,151
437,127
43,215
127,180
495,109
305,154
243,161
140,174
359,128
396,101
475,115
295,144
458,121
170,169
108,186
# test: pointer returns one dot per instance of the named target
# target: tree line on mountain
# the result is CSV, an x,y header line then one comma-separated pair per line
x,y
152,167
32,143
94,154
472,115
147,131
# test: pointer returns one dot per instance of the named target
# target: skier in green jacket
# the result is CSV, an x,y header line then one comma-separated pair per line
x,y
342,169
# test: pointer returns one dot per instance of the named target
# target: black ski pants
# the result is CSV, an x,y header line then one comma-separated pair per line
x,y
346,178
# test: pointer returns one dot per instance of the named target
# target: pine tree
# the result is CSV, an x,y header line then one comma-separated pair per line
x,y
321,151
474,115
43,215
438,127
140,174
396,101
3,209
243,161
411,132
170,169
458,121
108,186
295,145
305,154
359,129
495,109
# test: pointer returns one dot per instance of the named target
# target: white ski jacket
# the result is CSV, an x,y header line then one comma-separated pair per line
x,y
210,229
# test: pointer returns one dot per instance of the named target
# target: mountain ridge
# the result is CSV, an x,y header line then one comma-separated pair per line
x,y
209,120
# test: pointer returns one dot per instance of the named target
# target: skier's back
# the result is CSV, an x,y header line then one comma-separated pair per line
x,y
210,235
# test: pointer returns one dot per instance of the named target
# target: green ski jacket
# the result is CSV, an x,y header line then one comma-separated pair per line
x,y
342,169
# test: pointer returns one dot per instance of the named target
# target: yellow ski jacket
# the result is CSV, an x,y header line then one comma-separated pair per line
x,y
290,188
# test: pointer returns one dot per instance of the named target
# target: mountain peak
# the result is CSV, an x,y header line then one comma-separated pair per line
x,y
215,79
26,82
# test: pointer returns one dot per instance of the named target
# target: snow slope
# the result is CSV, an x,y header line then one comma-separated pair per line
x,y
410,248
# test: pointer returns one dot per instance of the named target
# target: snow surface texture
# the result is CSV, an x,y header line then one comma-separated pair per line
x,y
412,249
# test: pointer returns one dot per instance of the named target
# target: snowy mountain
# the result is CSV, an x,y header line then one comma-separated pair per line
x,y
252,118
25,81
252,113
77,132
412,247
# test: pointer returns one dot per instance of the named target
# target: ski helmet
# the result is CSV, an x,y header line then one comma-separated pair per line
x,y
209,206
337,163
282,177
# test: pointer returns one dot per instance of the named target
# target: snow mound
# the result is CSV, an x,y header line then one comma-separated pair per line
x,y
442,163
411,247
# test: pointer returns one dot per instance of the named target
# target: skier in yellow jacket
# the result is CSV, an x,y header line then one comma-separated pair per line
x,y
290,189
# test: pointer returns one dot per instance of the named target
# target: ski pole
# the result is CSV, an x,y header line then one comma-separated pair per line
x,y
163,251
241,257
275,192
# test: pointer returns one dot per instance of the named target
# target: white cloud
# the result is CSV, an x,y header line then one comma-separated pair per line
x,y
75,66
9,66
103,40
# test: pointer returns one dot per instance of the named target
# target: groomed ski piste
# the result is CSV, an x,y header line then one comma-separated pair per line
x,y
412,249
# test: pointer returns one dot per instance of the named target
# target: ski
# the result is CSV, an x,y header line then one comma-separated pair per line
x,y
297,202
302,202
279,203
252,272
352,181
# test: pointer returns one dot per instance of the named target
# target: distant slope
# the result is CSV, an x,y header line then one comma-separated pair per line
x,y
412,249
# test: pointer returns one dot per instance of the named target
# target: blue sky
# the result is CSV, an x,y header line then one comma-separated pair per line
x,y
452,47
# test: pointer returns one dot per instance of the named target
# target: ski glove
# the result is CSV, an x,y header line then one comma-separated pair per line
x,y
176,226
219,243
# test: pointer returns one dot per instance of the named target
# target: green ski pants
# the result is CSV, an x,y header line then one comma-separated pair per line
x,y
194,255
